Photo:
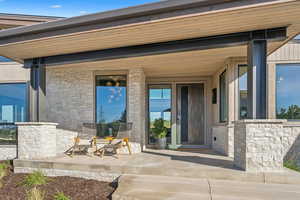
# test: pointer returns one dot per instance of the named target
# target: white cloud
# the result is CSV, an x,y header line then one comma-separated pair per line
x,y
55,6
81,12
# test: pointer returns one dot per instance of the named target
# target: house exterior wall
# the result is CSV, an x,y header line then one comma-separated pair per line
x,y
70,98
263,145
11,72
290,53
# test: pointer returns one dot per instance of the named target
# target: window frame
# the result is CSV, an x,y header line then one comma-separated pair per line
x,y
110,73
27,96
275,96
238,90
157,86
221,120
27,103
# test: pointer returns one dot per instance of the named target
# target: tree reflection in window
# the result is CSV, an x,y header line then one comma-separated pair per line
x,y
287,91
110,104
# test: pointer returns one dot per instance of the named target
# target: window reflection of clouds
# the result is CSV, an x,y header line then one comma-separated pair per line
x,y
287,89
13,102
111,98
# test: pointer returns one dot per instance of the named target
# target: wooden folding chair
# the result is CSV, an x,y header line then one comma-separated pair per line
x,y
82,142
118,142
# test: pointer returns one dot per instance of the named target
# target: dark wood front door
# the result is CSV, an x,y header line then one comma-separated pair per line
x,y
190,113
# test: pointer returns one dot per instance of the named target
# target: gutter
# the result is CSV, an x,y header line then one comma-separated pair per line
x,y
162,7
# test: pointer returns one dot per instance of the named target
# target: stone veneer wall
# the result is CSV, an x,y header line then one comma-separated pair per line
x,y
8,152
291,142
136,104
70,100
263,145
36,140
223,139
42,140
69,97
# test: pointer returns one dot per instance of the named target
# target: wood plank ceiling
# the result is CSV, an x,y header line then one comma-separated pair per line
x,y
264,16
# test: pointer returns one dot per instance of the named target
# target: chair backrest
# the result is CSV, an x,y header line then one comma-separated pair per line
x,y
88,131
124,130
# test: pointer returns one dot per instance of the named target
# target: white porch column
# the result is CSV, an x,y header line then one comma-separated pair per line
x,y
258,145
136,104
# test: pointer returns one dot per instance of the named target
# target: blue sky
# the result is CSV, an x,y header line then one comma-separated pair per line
x,y
65,8
287,82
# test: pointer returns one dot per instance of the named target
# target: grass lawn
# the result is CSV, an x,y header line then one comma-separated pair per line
x,y
21,186
291,165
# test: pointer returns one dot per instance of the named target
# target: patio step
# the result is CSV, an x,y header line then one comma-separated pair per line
x,y
141,187
145,187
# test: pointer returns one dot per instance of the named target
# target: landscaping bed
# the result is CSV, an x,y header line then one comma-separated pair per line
x,y
74,188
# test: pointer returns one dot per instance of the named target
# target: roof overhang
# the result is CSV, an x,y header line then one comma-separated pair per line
x,y
154,23
15,20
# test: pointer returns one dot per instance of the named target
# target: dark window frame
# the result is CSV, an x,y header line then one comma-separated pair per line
x,y
27,103
276,79
95,93
148,106
239,95
221,120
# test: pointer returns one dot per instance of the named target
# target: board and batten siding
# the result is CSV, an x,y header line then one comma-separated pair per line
x,y
287,54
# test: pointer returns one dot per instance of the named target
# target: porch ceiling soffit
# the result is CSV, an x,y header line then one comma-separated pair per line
x,y
261,16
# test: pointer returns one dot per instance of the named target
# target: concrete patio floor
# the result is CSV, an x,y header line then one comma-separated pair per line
x,y
203,163
145,187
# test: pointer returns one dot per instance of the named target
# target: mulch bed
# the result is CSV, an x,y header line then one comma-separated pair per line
x,y
75,188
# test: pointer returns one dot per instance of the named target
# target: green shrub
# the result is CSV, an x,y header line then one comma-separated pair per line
x,y
61,196
159,129
34,179
291,164
35,194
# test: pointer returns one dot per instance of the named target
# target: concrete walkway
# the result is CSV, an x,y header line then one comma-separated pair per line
x,y
203,164
145,187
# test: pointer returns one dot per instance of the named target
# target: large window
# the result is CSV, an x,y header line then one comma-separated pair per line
x,y
287,91
13,108
243,91
110,103
160,108
223,97
4,59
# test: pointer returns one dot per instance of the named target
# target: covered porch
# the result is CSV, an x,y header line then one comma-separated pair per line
x,y
200,164
190,53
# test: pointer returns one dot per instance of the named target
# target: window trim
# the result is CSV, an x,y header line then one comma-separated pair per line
x,y
110,73
238,90
157,86
275,96
220,99
27,116
27,96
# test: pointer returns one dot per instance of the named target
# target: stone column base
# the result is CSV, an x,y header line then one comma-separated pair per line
x,y
36,140
258,145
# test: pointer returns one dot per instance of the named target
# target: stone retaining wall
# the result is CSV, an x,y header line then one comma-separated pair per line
x,y
291,142
42,140
36,140
8,152
263,145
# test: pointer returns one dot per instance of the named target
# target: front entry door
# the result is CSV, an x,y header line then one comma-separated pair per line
x,y
190,113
